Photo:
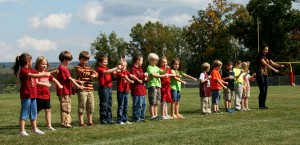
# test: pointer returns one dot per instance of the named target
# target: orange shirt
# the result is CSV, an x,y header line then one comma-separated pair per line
x,y
214,85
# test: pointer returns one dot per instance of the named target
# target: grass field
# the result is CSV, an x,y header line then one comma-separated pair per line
x,y
280,124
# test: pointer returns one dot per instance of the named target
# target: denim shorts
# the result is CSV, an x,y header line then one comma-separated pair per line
x,y
175,95
28,109
216,94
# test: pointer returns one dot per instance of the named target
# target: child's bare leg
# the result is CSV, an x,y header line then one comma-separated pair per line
x,y
22,125
48,117
80,117
246,103
33,124
155,109
90,118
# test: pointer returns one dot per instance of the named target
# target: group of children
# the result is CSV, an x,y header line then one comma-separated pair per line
x,y
234,81
163,84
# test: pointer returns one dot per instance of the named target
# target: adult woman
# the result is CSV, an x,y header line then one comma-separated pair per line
x,y
265,63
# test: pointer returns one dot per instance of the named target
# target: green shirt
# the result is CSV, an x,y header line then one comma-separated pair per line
x,y
152,81
237,71
176,85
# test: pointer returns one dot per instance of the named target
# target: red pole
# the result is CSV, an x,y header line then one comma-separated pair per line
x,y
292,79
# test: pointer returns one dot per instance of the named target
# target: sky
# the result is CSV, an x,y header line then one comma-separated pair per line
x,y
47,27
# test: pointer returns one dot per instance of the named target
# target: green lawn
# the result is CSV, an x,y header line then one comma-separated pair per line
x,y
278,125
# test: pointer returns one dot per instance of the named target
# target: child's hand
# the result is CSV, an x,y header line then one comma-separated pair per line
x,y
48,85
225,87
93,76
131,81
167,67
140,81
209,77
146,74
184,82
194,79
231,77
60,86
119,67
81,87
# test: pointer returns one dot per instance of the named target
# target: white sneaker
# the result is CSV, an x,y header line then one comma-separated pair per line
x,y
24,133
51,128
37,131
169,117
128,122
248,108
121,123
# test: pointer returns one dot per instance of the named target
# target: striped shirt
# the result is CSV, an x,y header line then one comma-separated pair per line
x,y
84,74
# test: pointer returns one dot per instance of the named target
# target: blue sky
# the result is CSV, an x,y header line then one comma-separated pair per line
x,y
47,27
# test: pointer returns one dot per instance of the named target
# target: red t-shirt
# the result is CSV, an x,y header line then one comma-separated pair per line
x,y
166,87
104,80
28,87
138,89
43,91
214,85
122,84
63,76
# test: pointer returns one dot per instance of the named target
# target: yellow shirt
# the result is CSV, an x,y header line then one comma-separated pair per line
x,y
237,71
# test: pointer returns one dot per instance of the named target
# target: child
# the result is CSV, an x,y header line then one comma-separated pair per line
x,y
28,92
238,84
246,88
64,94
176,87
123,87
228,94
105,90
205,89
43,93
154,85
165,89
138,89
85,96
216,85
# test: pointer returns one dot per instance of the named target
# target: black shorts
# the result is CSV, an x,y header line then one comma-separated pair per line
x,y
42,104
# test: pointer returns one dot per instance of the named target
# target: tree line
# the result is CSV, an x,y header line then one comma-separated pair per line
x,y
224,31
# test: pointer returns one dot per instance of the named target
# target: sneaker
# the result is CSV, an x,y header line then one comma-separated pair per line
x,y
127,122
244,109
165,117
248,108
170,117
121,123
37,131
24,133
158,118
153,117
51,128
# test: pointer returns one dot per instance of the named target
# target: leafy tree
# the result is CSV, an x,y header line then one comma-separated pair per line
x,y
111,45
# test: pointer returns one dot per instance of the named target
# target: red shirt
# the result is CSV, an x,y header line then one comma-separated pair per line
x,y
63,76
104,80
28,87
122,84
166,87
43,91
214,85
138,89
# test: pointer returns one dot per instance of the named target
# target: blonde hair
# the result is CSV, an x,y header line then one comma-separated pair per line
x,y
205,66
245,66
39,60
153,56
217,63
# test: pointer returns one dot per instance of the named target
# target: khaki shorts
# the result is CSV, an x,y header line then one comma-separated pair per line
x,y
154,95
85,102
228,94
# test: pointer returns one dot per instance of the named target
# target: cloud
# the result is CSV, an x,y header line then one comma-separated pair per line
x,y
7,51
52,21
91,12
27,42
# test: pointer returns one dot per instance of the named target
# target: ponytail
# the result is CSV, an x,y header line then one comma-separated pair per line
x,y
16,66
21,61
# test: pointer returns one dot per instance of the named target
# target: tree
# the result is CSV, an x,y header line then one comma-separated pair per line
x,y
157,38
114,47
208,34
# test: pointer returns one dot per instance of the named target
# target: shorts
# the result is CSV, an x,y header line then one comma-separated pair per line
x,y
215,97
175,95
42,104
85,102
228,94
154,95
28,109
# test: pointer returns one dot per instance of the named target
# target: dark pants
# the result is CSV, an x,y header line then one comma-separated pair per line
x,y
105,105
122,107
262,81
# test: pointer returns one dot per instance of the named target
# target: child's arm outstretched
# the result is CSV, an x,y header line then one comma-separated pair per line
x,y
113,70
56,82
76,84
221,82
190,77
